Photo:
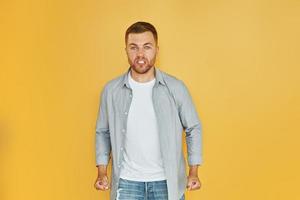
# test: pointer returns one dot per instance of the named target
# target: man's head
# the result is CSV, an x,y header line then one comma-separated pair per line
x,y
141,46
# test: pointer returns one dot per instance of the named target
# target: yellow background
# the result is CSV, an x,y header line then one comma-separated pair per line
x,y
239,59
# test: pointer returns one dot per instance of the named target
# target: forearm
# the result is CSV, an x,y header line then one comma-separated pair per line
x,y
103,147
193,171
194,144
102,170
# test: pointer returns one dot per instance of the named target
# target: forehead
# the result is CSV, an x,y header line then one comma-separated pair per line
x,y
141,38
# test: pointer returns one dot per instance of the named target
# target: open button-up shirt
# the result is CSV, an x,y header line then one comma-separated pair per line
x,y
175,113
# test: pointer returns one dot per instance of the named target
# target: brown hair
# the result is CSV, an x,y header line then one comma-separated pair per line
x,y
141,27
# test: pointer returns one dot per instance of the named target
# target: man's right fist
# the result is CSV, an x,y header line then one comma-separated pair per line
x,y
102,183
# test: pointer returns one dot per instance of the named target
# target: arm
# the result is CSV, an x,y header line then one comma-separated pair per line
x,y
193,129
102,138
102,170
193,171
102,182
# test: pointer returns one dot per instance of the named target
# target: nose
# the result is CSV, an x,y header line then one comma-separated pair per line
x,y
140,52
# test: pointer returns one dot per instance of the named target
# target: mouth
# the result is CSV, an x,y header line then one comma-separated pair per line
x,y
141,62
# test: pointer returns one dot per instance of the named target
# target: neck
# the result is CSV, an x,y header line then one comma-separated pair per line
x,y
142,78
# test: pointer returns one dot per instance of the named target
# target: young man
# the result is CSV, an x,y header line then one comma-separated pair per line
x,y
141,118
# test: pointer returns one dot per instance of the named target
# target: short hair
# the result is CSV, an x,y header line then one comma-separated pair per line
x,y
141,27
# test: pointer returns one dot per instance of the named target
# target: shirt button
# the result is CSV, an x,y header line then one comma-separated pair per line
x,y
123,130
126,113
130,95
119,166
122,148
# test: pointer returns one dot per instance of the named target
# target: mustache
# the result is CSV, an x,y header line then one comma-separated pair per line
x,y
140,58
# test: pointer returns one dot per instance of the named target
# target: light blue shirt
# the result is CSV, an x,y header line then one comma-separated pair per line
x,y
175,112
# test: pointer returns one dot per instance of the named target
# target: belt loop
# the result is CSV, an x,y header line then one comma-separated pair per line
x,y
146,195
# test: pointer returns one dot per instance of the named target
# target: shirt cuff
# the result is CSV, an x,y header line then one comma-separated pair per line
x,y
195,160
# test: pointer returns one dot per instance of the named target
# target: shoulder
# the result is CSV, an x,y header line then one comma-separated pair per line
x,y
177,88
112,84
173,82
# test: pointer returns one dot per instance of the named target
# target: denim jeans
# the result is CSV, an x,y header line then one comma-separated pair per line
x,y
136,190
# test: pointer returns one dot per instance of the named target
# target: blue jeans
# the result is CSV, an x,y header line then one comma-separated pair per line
x,y
136,190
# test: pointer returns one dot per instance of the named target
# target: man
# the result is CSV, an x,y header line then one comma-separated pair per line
x,y
141,118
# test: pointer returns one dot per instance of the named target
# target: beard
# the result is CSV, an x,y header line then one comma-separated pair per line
x,y
142,68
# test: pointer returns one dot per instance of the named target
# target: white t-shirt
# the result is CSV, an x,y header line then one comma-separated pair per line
x,y
142,156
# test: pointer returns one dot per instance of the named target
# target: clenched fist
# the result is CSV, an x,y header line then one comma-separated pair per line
x,y
193,183
102,183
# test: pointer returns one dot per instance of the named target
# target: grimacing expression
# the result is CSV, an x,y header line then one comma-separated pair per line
x,y
141,50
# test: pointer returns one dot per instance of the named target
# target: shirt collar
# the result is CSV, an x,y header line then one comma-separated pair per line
x,y
157,74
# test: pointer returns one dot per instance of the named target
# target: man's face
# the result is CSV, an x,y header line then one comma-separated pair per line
x,y
141,51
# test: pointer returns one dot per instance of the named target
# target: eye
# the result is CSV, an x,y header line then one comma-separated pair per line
x,y
147,47
132,48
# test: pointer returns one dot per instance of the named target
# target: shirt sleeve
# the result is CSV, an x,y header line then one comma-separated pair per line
x,y
102,138
192,126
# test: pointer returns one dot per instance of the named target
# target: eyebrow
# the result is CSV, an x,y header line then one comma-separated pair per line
x,y
148,43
